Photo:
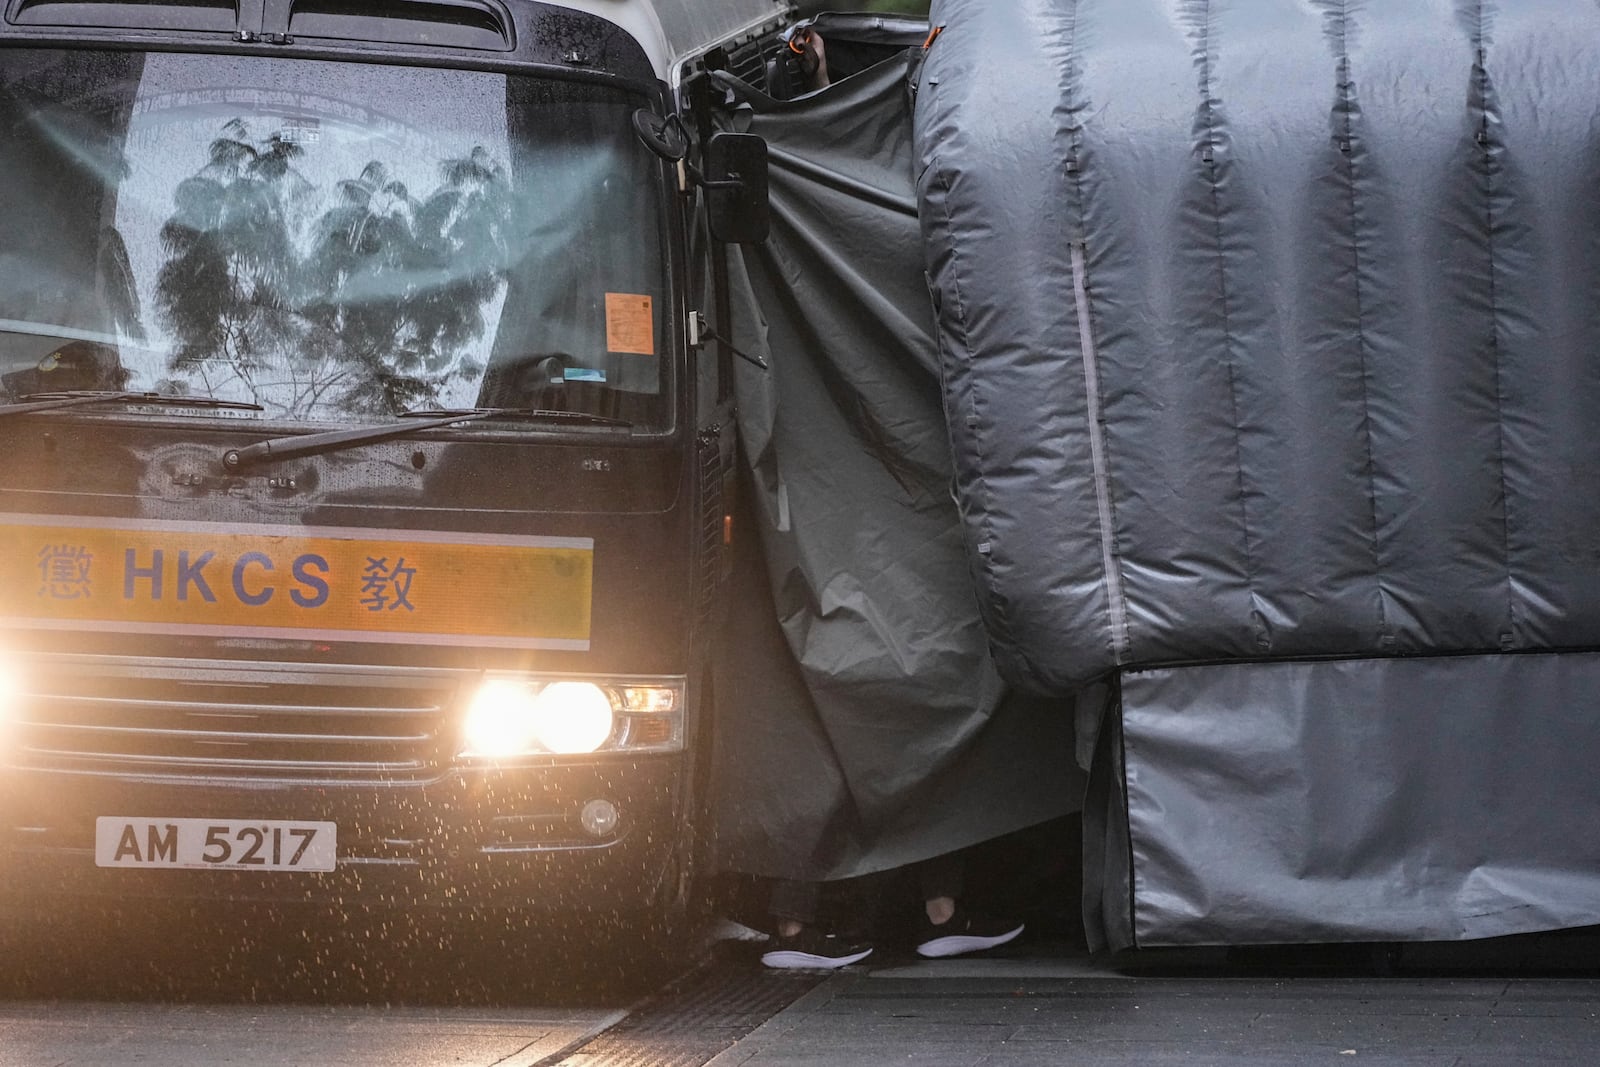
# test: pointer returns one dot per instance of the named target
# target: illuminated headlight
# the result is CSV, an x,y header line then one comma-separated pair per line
x,y
10,698
500,721
513,717
572,717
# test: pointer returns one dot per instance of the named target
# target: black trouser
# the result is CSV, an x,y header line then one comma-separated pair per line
x,y
940,876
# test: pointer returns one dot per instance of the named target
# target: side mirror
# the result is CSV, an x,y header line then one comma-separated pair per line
x,y
736,188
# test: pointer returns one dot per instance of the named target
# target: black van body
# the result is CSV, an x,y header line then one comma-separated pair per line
x,y
567,495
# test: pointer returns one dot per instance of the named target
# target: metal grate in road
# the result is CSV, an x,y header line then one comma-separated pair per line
x,y
692,1021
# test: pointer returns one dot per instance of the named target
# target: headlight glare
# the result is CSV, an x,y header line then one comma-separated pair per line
x,y
501,721
10,693
573,717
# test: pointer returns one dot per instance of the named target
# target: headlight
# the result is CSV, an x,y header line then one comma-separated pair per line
x,y
500,721
571,717
510,717
10,700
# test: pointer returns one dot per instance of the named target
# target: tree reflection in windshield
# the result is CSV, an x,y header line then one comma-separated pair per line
x,y
266,230
375,316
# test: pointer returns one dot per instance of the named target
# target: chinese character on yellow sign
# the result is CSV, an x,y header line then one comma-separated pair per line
x,y
328,583
64,570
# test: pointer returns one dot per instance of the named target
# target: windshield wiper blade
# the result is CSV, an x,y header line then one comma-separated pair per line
x,y
530,414
312,444
33,402
80,398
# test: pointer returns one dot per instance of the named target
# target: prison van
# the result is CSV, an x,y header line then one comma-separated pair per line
x,y
362,512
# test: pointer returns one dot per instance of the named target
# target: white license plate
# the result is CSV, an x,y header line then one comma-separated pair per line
x,y
209,844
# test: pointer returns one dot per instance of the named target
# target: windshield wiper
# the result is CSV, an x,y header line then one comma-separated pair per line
x,y
313,444
79,398
529,414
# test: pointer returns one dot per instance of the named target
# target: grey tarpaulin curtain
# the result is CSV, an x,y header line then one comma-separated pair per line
x,y
1395,799
862,723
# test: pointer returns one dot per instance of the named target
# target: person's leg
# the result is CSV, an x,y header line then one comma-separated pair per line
x,y
793,905
941,882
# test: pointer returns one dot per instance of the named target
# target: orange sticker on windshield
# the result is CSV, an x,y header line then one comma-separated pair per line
x,y
630,324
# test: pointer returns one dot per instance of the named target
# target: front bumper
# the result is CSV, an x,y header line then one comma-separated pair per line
x,y
466,840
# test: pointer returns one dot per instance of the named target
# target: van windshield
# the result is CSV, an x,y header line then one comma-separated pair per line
x,y
335,242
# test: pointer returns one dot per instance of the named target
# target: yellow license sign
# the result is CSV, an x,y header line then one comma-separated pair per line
x,y
316,583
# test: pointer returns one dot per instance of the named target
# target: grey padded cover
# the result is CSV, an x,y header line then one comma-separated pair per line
x,y
1268,328
1401,799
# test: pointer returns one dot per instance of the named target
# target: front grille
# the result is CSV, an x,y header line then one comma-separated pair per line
x,y
203,719
748,62
533,831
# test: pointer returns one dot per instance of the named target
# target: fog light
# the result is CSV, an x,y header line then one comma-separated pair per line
x,y
501,721
572,717
600,818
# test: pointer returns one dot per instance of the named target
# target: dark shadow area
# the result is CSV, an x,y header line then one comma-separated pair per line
x,y
1555,954
255,955
1032,875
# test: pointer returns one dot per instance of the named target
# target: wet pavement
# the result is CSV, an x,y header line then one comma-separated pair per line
x,y
147,986
1005,1019
1532,1000
97,1034
356,993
